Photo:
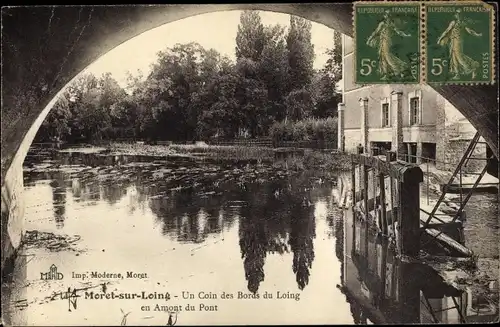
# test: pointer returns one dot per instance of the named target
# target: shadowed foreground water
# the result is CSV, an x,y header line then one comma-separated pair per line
x,y
202,232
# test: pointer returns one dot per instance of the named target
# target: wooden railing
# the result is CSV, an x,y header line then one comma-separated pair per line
x,y
395,207
261,142
268,142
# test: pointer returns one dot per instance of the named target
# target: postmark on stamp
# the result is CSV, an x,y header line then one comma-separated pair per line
x,y
459,42
387,39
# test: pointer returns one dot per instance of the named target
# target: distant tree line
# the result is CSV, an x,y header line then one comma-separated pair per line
x,y
193,93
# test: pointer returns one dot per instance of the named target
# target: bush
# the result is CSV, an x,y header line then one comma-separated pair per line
x,y
310,129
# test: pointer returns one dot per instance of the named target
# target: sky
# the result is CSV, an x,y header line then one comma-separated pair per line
x,y
214,30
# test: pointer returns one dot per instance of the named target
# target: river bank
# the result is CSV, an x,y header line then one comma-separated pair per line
x,y
289,158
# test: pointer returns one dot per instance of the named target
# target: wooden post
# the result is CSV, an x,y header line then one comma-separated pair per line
x,y
365,189
383,269
371,202
393,207
353,181
390,156
409,294
374,185
353,244
394,279
399,238
383,210
365,239
409,210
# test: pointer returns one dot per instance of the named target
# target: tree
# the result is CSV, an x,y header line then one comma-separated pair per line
x,y
56,126
172,82
333,65
221,116
256,72
274,70
193,93
83,104
94,117
250,37
300,53
328,96
253,104
299,104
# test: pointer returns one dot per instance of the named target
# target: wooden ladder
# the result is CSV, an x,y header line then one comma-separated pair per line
x,y
466,157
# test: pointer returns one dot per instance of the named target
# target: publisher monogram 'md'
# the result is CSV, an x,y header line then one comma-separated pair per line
x,y
52,274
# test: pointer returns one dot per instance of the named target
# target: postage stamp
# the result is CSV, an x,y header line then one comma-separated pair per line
x,y
459,42
387,39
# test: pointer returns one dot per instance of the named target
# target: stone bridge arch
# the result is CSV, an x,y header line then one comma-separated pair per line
x,y
44,47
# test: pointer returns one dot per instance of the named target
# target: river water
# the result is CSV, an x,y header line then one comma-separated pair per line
x,y
229,244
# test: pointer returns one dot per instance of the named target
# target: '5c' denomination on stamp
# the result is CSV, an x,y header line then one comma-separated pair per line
x,y
459,42
387,38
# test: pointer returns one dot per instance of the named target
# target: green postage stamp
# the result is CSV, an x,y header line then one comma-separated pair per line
x,y
387,41
459,43
440,42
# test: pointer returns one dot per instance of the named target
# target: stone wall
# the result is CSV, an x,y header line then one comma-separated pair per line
x,y
455,151
352,139
12,215
454,134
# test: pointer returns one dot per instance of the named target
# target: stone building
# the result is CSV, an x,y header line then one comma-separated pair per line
x,y
409,119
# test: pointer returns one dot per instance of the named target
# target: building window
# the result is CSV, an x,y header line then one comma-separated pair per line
x,y
385,115
429,152
414,111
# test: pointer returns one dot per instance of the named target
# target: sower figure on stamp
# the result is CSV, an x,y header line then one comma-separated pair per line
x,y
459,62
382,38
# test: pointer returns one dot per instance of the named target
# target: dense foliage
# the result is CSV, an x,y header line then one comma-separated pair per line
x,y
193,93
320,130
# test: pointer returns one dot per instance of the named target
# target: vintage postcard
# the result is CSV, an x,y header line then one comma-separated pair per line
x,y
250,164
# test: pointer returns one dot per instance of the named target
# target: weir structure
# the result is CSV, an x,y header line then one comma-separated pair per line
x,y
386,193
45,47
385,277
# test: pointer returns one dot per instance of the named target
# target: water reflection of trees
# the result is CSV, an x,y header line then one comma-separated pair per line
x,y
58,186
278,218
92,159
114,192
188,215
86,190
303,229
275,216
90,178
